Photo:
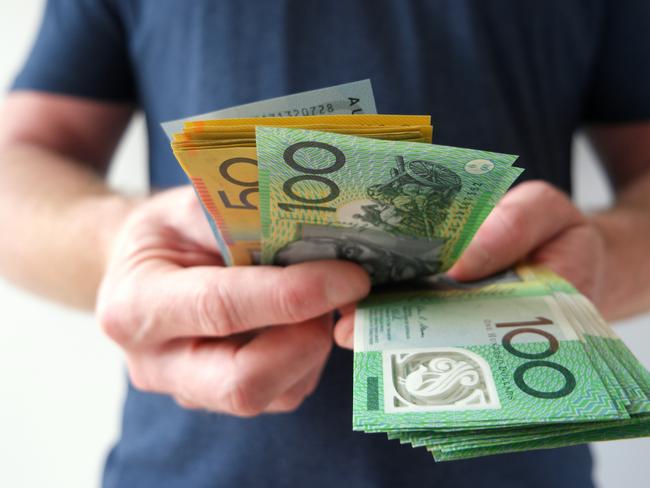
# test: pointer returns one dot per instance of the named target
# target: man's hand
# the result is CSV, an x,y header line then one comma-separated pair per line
x,y
241,340
535,222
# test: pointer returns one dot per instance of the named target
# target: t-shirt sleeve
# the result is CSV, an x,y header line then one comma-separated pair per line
x,y
619,90
80,50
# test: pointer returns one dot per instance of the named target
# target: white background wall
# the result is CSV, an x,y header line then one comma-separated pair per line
x,y
62,383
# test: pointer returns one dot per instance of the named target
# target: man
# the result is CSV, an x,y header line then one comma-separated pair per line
x,y
253,345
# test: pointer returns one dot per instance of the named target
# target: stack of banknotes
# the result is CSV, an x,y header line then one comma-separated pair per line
x,y
221,157
519,362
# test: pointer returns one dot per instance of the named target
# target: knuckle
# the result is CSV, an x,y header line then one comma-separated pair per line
x,y
139,379
186,404
243,401
311,388
311,385
290,403
120,315
111,316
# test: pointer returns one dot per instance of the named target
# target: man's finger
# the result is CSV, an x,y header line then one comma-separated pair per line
x,y
344,328
163,304
528,216
226,376
291,399
289,352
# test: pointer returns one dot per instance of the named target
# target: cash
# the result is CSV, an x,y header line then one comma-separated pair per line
x,y
520,361
220,158
523,362
399,209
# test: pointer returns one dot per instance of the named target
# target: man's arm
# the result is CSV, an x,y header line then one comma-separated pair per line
x,y
57,217
625,152
241,340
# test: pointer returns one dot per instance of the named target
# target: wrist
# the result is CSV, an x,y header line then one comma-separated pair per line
x,y
626,235
114,210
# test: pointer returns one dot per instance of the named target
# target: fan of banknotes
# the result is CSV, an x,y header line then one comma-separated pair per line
x,y
522,361
519,362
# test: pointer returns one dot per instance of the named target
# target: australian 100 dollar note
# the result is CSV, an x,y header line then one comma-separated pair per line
x,y
517,362
496,356
399,209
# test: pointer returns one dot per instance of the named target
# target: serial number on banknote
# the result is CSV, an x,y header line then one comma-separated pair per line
x,y
351,104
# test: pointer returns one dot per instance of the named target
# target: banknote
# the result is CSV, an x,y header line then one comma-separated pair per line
x,y
348,98
477,358
220,159
519,362
399,209
629,429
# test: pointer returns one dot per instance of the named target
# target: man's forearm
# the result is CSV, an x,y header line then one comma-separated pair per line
x,y
57,221
626,231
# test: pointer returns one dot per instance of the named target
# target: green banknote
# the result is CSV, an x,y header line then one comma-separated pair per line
x,y
627,429
520,362
400,209
478,358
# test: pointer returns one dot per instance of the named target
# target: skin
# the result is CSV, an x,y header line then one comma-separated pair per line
x,y
250,340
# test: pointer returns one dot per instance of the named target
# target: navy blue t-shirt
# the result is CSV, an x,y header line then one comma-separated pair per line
x,y
503,75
